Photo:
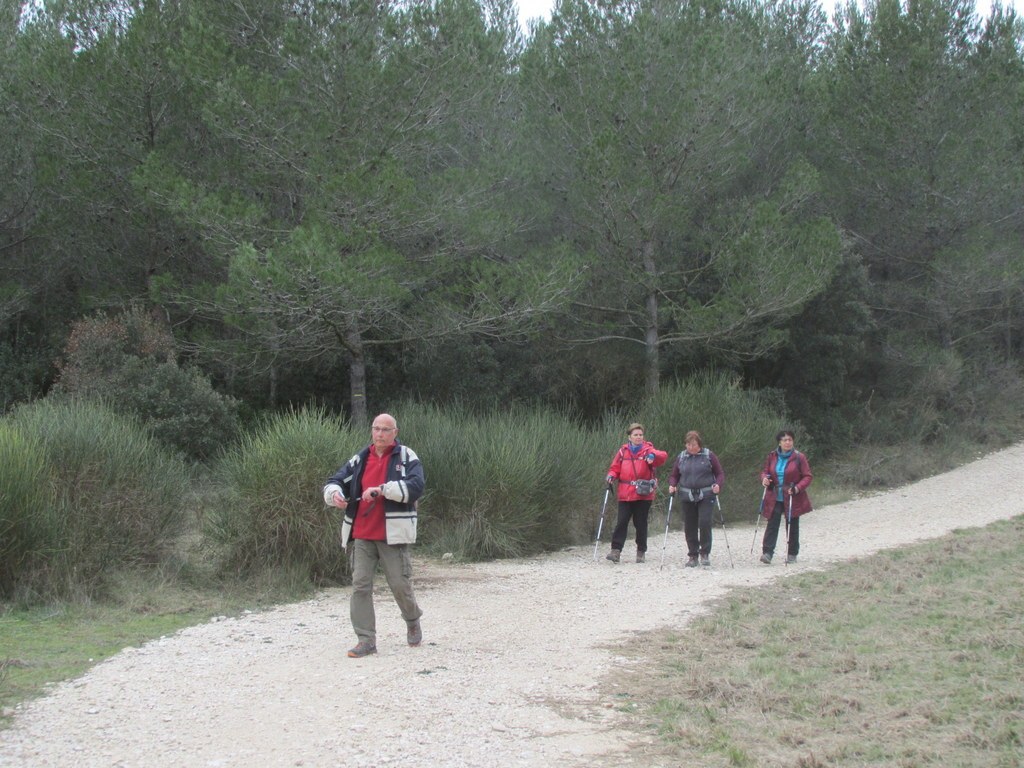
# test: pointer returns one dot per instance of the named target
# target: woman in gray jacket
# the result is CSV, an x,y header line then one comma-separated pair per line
x,y
697,477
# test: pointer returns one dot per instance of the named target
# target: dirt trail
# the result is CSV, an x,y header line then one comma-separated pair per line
x,y
515,660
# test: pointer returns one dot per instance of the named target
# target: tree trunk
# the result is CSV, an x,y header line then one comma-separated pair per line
x,y
651,336
357,378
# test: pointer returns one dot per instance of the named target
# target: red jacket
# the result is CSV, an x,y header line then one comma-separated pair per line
x,y
798,473
625,468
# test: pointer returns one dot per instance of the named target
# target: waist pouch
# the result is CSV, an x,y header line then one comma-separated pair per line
x,y
644,487
697,494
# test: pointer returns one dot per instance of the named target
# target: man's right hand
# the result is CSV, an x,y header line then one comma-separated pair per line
x,y
339,501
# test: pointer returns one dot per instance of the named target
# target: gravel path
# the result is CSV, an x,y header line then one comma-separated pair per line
x,y
516,659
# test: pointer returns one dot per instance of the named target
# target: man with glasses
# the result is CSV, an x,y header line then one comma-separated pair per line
x,y
378,489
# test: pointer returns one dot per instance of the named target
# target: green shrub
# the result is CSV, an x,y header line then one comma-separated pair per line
x,y
129,362
269,511
23,370
501,484
118,496
24,501
179,405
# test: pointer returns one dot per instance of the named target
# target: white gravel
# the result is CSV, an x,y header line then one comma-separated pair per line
x,y
516,668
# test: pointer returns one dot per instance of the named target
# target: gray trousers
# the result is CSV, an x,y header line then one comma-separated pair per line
x,y
397,565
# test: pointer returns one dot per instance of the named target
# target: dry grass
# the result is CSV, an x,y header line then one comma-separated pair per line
x,y
908,658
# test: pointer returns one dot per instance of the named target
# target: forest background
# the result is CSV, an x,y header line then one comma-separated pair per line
x,y
231,230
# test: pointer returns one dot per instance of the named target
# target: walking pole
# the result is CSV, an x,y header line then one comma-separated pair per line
x,y
600,522
721,514
668,517
789,517
757,522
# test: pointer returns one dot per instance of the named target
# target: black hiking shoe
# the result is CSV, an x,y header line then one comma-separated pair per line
x,y
613,555
705,560
766,558
691,561
641,557
791,559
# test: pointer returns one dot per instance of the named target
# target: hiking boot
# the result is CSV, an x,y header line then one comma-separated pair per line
x,y
414,633
641,557
362,648
691,561
705,561
613,555
766,558
791,559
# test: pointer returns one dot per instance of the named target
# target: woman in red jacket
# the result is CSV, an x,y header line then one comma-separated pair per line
x,y
787,472
632,468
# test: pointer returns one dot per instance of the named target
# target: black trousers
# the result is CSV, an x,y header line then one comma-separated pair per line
x,y
698,518
771,531
637,511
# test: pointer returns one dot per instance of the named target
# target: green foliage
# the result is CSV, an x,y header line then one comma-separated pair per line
x,y
268,511
128,361
652,118
110,496
356,212
964,410
918,103
25,497
22,370
502,484
179,405
358,188
825,366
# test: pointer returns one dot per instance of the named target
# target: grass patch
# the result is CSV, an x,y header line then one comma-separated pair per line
x,y
907,658
45,645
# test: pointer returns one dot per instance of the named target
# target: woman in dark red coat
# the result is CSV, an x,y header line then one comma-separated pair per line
x,y
787,473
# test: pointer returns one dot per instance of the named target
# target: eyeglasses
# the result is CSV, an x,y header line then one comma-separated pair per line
x,y
383,429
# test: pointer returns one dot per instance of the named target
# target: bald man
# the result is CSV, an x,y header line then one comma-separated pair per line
x,y
378,488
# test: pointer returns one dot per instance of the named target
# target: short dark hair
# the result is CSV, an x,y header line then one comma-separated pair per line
x,y
784,433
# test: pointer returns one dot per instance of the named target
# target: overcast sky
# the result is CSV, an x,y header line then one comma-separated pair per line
x,y
528,9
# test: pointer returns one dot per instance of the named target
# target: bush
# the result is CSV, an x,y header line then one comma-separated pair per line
x,y
115,498
24,502
178,405
502,484
269,511
97,347
129,362
24,369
